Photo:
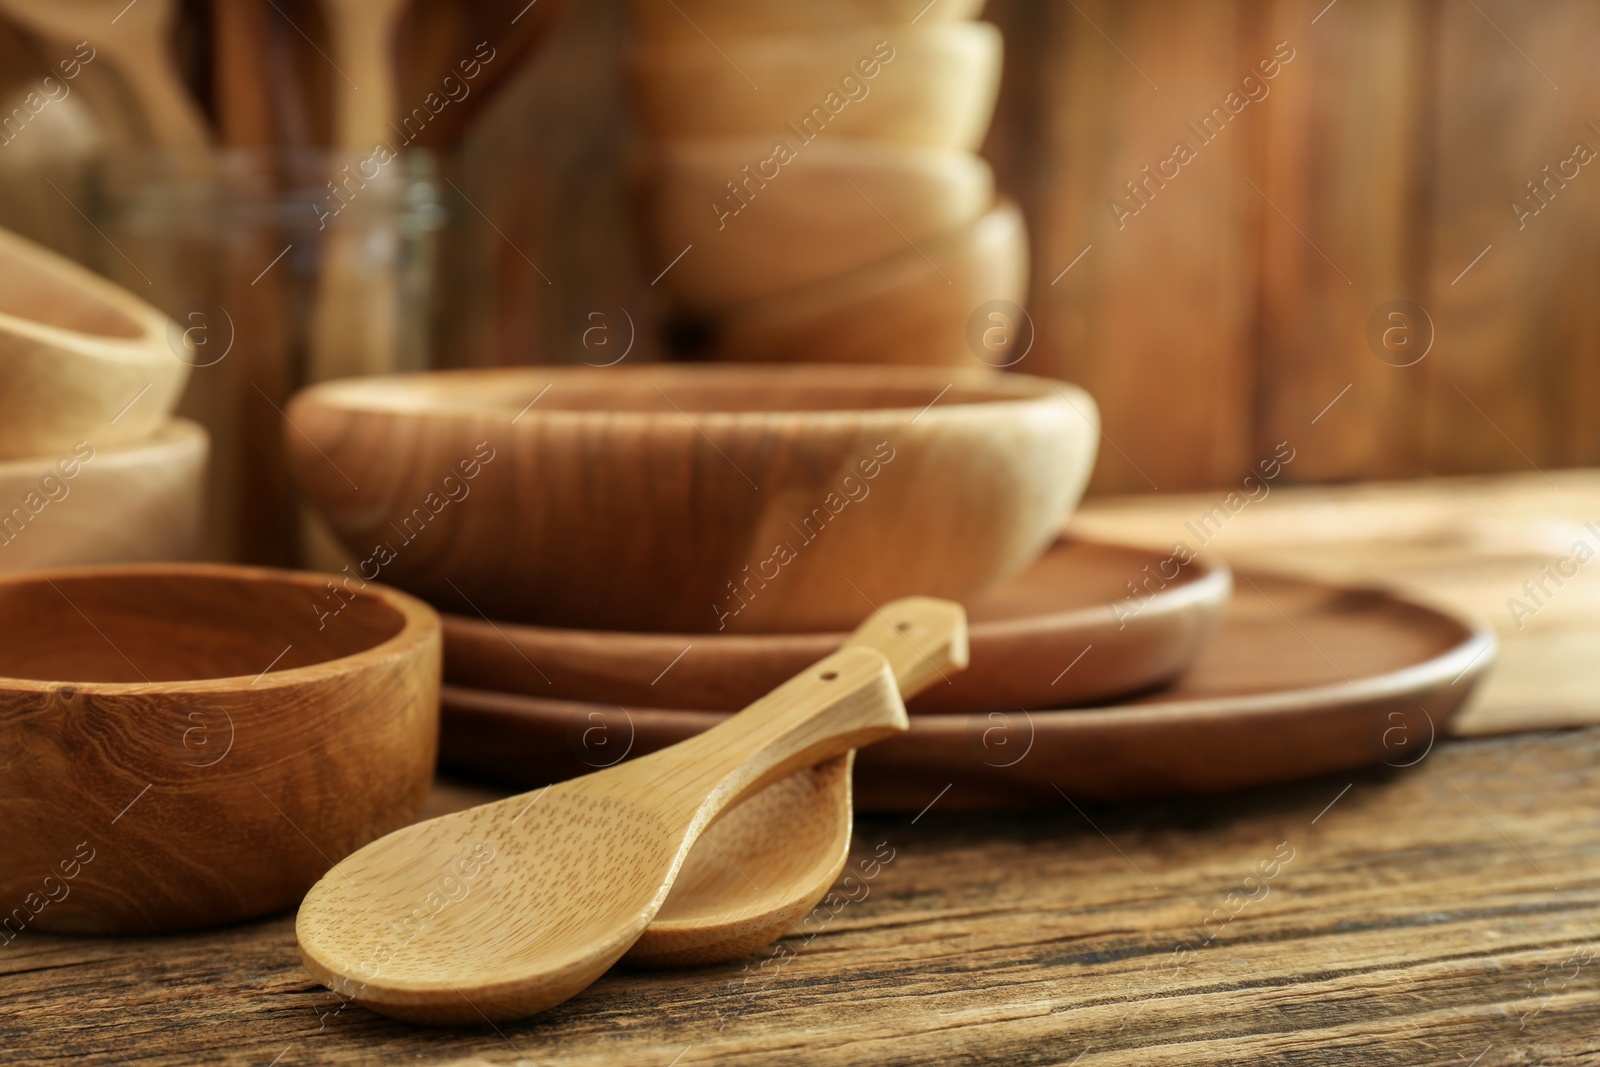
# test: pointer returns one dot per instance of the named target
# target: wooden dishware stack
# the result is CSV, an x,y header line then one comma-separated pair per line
x,y
92,467
811,191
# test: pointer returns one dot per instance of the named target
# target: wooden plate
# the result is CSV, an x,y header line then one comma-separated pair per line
x,y
1302,679
1064,632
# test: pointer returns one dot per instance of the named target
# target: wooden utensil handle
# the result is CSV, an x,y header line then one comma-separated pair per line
x,y
845,701
922,638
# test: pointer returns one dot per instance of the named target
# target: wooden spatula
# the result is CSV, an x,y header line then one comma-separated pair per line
x,y
510,908
765,864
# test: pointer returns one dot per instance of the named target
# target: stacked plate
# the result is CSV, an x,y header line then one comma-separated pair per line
x,y
812,187
627,556
92,467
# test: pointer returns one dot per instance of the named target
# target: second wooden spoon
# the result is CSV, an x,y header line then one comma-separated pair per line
x,y
765,864
513,907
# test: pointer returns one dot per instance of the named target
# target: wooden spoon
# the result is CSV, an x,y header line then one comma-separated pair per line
x,y
767,863
473,917
136,38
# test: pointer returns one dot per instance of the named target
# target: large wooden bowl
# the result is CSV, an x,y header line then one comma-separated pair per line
x,y
926,84
136,503
692,498
913,307
80,358
838,204
186,746
724,19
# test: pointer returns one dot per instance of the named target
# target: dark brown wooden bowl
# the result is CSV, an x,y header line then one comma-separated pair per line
x,y
183,746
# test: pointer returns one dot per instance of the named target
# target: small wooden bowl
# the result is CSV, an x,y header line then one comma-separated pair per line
x,y
928,84
187,746
723,19
137,503
81,358
909,308
837,205
657,497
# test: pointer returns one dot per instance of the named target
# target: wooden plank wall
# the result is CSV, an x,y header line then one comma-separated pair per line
x,y
1234,306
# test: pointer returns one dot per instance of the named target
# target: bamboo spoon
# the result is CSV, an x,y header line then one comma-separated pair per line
x,y
768,861
136,39
472,917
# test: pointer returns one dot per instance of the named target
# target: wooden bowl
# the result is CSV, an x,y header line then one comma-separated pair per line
x,y
130,504
838,204
908,308
192,745
657,497
722,19
929,84
1066,631
81,358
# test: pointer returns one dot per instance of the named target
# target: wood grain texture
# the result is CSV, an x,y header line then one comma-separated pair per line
x,y
692,498
439,40
1156,318
1471,544
137,503
769,860
914,307
1301,679
82,360
185,746
938,89
546,907
815,211
1427,916
1075,599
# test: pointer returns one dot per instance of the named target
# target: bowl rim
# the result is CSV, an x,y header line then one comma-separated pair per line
x,y
369,396
420,624
143,347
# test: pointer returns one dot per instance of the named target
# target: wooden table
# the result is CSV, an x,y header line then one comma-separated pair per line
x,y
1448,914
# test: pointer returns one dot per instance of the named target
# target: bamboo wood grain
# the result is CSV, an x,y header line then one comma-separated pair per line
x,y
196,744
82,359
1406,929
772,857
937,86
559,899
644,497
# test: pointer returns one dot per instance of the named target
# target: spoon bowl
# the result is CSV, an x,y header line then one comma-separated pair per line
x,y
513,907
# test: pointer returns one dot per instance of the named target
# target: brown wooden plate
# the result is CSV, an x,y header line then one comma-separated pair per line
x,y
1067,631
1302,679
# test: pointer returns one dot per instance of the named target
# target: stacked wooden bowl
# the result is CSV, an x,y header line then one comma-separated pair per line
x,y
93,469
811,190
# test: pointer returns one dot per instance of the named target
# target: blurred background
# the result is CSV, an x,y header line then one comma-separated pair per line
x,y
1385,255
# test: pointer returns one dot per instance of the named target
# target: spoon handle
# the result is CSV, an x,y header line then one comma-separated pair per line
x,y
845,701
922,637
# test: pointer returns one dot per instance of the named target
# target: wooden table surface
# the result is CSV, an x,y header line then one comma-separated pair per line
x,y
1444,914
